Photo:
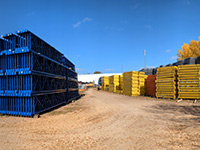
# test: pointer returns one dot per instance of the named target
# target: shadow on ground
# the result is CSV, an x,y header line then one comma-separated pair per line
x,y
57,111
177,113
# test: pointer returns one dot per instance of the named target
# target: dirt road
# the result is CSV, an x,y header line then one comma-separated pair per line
x,y
102,120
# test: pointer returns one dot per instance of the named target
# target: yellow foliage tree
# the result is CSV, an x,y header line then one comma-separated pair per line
x,y
189,50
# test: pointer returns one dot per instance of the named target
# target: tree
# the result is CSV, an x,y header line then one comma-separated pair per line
x,y
189,50
97,72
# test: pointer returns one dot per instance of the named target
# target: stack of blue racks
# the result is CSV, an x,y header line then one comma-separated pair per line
x,y
34,76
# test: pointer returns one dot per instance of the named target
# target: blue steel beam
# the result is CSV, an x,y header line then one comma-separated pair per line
x,y
25,85
29,106
30,61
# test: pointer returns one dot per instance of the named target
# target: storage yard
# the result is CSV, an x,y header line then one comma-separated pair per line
x,y
158,107
100,75
104,120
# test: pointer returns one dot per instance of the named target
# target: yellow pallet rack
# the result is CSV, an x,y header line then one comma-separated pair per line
x,y
142,83
166,82
189,81
134,83
105,83
113,83
119,89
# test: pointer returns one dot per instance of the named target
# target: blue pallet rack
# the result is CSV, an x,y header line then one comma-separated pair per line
x,y
34,76
72,84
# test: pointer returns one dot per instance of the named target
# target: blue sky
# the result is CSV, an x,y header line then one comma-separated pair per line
x,y
103,35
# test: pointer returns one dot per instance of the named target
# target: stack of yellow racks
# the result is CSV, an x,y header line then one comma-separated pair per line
x,y
166,82
119,89
113,83
188,81
105,83
131,83
142,85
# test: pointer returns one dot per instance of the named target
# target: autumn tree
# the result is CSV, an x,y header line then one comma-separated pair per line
x,y
97,72
189,50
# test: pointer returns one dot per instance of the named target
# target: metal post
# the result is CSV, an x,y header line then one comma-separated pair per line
x,y
144,58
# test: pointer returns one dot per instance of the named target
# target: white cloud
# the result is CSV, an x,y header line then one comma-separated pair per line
x,y
135,6
107,70
82,21
168,50
148,26
173,57
87,19
79,69
187,2
77,24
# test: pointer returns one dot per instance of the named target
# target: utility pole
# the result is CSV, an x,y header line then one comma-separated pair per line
x,y
122,68
144,58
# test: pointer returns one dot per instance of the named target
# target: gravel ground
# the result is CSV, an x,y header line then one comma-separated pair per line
x,y
103,120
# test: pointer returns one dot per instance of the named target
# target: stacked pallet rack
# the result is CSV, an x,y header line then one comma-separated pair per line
x,y
119,89
33,75
131,83
141,81
72,84
105,83
113,83
189,81
166,82
121,83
